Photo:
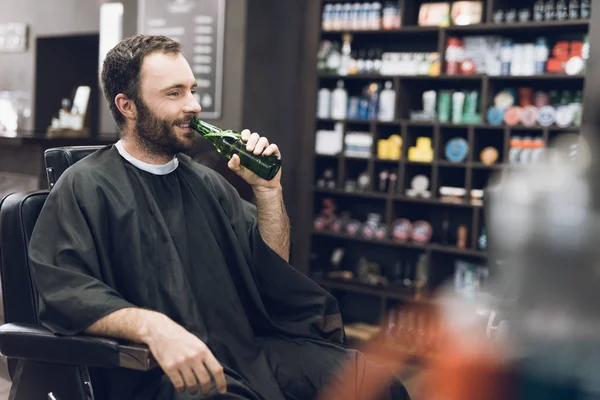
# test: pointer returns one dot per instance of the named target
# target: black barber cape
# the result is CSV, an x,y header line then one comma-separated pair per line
x,y
184,244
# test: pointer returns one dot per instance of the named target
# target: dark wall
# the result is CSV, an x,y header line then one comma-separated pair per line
x,y
272,104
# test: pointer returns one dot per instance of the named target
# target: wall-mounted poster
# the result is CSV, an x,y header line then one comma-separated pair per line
x,y
199,25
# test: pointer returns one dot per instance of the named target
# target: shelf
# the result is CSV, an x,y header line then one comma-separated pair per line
x,y
334,156
400,198
519,26
362,288
479,165
549,76
452,164
385,242
424,164
438,248
455,250
435,201
476,28
340,192
451,125
402,30
405,77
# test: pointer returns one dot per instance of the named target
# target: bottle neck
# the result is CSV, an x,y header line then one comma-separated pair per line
x,y
203,128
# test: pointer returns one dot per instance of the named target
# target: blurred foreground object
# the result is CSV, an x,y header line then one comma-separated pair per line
x,y
543,338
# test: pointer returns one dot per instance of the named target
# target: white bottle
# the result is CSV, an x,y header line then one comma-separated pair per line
x,y
387,103
339,101
346,56
324,103
347,16
526,150
326,23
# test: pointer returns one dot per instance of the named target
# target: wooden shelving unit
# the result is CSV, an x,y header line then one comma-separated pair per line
x,y
442,252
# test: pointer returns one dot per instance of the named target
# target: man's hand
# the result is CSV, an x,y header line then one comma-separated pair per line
x,y
184,358
259,146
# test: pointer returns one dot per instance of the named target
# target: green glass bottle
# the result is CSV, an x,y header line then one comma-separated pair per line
x,y
228,143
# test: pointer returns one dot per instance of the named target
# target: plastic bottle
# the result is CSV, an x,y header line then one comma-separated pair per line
x,y
326,24
541,55
336,17
526,149
562,10
515,150
538,11
346,16
355,16
346,55
549,10
375,17
537,151
324,103
574,9
387,103
339,100
334,59
586,9
363,16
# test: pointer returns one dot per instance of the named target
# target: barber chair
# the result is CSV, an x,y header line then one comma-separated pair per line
x,y
43,365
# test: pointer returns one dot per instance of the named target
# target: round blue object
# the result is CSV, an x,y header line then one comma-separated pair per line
x,y
457,150
495,116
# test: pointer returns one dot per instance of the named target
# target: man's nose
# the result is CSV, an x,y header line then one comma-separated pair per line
x,y
192,106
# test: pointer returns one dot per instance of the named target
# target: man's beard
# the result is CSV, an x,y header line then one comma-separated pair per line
x,y
157,135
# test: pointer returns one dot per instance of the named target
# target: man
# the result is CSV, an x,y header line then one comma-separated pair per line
x,y
138,242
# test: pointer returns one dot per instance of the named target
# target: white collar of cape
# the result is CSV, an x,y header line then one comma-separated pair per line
x,y
163,169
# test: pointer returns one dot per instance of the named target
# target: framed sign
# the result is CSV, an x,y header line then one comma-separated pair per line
x,y
199,25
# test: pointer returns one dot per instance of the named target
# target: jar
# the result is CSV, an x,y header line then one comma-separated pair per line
x,y
391,17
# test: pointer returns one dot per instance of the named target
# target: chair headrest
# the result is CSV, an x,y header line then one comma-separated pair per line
x,y
58,159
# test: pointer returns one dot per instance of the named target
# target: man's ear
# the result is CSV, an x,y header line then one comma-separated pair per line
x,y
126,106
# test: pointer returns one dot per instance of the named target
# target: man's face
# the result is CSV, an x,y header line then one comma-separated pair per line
x,y
166,105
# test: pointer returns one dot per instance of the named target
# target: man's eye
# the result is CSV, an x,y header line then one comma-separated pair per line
x,y
173,94
193,91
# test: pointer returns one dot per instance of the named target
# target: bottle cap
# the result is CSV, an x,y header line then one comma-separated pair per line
x,y
574,66
457,150
512,116
546,116
529,116
565,115
504,100
495,116
489,155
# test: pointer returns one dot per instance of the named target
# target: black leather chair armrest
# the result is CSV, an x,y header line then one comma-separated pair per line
x,y
36,343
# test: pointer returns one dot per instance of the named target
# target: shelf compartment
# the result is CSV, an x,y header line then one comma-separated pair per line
x,y
340,192
530,27
407,245
358,287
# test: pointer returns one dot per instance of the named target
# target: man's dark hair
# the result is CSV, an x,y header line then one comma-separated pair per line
x,y
122,65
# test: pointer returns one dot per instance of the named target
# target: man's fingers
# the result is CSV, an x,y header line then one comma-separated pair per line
x,y
261,145
252,141
245,134
190,379
234,163
203,378
272,149
176,379
217,372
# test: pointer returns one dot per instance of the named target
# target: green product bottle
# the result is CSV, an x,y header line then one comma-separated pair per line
x,y
228,143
